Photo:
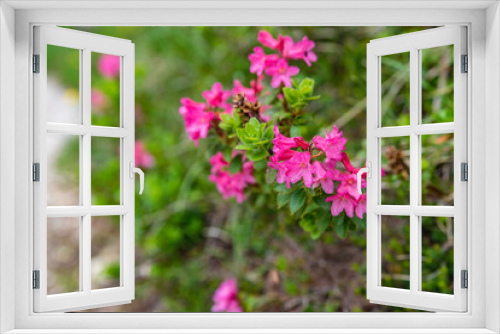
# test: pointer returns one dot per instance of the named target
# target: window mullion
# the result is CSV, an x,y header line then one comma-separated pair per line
x,y
414,171
85,271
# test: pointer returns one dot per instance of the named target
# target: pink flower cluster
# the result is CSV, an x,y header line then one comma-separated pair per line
x,y
276,65
198,116
226,297
231,185
109,66
293,160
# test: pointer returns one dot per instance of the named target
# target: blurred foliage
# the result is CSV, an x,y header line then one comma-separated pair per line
x,y
188,239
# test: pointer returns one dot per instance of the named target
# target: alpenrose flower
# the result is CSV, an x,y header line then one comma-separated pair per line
x,y
342,202
281,73
231,185
196,119
333,144
226,297
217,97
109,66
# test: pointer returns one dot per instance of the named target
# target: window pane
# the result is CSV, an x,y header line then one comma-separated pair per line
x,y
437,254
395,84
437,169
63,255
105,260
395,232
105,93
437,84
63,170
395,185
105,171
63,85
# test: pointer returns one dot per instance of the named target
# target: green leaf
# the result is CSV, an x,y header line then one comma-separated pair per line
x,y
283,199
280,187
320,200
295,131
260,165
254,122
307,223
257,155
306,86
227,153
269,134
291,95
298,200
280,115
243,136
322,224
271,175
236,164
312,98
250,129
340,226
245,147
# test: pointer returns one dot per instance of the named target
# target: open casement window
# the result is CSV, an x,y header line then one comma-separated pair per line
x,y
94,142
416,113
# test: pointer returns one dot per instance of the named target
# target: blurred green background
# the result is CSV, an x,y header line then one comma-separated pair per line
x,y
188,239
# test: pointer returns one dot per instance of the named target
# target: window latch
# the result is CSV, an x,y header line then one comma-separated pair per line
x,y
361,171
141,175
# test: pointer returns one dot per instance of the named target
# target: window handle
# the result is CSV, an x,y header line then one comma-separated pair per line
x,y
141,176
360,173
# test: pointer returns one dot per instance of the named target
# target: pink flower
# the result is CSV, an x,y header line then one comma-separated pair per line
x,y
299,167
231,185
342,202
303,49
281,73
250,93
267,39
196,119
97,98
109,66
361,206
226,297
349,186
218,162
260,61
323,177
333,144
216,97
142,157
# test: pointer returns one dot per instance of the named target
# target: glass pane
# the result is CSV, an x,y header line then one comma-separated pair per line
x,y
105,171
63,169
105,259
105,94
437,84
395,232
437,254
437,169
395,185
63,255
395,83
63,85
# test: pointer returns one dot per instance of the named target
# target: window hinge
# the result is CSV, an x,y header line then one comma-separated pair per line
x,y
36,63
465,64
465,279
464,171
36,279
36,172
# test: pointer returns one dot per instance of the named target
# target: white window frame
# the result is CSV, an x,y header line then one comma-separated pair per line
x,y
414,43
17,19
85,44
